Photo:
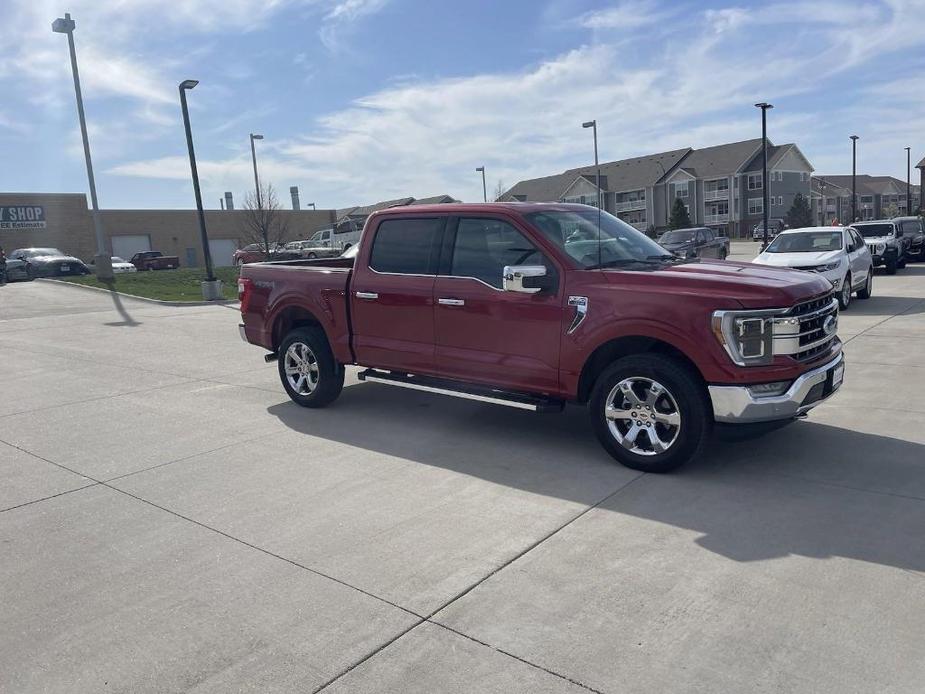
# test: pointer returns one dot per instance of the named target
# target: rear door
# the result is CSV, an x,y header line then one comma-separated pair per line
x,y
487,335
392,295
858,257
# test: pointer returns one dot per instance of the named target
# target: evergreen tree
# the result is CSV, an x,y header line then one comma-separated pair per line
x,y
799,214
679,219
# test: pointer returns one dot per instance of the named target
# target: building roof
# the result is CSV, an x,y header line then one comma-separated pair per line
x,y
434,200
366,210
722,160
921,164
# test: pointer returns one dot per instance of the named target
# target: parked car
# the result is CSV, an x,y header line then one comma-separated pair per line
x,y
16,269
155,260
775,226
119,265
699,242
913,230
837,253
47,262
497,300
311,250
254,253
887,243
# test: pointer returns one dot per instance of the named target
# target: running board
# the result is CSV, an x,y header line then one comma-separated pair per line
x,y
458,389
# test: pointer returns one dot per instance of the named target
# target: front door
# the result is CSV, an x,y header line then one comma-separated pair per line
x,y
392,300
487,335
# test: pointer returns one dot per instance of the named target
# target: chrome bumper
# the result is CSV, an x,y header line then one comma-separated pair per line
x,y
242,333
736,405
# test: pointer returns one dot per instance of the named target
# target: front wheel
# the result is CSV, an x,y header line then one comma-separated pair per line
x,y
901,263
307,368
844,296
650,412
891,266
868,288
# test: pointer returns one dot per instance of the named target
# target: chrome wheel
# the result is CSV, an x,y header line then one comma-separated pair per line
x,y
846,292
642,416
301,368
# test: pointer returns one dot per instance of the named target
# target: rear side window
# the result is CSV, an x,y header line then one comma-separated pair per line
x,y
404,246
911,227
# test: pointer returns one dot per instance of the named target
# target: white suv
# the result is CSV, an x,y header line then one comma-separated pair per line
x,y
837,253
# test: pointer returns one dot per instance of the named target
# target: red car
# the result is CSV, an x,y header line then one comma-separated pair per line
x,y
530,305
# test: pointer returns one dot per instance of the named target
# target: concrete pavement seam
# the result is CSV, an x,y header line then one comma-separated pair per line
x,y
449,602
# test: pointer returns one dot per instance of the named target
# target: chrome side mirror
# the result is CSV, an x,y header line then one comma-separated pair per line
x,y
514,276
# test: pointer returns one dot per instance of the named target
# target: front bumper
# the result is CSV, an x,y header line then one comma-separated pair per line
x,y
736,404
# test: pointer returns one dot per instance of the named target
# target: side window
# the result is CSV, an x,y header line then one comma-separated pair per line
x,y
851,244
484,246
858,240
404,246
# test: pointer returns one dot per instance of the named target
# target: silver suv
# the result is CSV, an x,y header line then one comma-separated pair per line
x,y
887,244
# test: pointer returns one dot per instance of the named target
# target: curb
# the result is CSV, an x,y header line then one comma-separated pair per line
x,y
157,302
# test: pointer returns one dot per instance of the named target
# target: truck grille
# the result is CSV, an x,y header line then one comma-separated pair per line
x,y
801,332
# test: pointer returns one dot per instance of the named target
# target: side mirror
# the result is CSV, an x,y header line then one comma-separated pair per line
x,y
516,278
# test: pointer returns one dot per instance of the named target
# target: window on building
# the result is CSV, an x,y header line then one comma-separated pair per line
x,y
680,190
802,176
755,206
755,182
867,198
404,246
780,199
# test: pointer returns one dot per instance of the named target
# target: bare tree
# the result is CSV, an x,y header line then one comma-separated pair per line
x,y
500,189
262,222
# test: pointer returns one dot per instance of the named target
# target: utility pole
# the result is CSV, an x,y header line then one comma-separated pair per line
x,y
854,178
765,203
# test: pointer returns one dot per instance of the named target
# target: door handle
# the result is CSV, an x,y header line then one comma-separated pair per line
x,y
451,302
367,295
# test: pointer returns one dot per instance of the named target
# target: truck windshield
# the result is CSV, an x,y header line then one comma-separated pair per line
x,y
679,236
575,232
870,231
806,242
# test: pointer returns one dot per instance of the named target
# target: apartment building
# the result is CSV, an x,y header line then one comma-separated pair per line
x,y
879,197
722,186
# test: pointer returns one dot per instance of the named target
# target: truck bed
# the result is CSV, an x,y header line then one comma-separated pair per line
x,y
285,293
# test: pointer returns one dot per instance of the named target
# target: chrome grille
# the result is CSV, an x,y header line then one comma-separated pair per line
x,y
801,332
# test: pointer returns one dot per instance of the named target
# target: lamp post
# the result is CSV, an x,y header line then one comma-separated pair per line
x,y
854,177
666,193
822,202
908,180
765,200
211,288
254,159
102,259
484,188
311,204
593,125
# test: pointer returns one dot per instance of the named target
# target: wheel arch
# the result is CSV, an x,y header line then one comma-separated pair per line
x,y
624,346
292,317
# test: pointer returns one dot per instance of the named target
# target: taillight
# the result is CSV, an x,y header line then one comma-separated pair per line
x,y
245,286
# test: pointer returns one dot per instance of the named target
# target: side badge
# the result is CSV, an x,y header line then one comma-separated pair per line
x,y
581,310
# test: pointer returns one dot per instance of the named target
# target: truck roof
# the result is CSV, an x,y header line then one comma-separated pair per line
x,y
470,207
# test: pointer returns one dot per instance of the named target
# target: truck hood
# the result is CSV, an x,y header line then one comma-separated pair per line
x,y
752,286
798,259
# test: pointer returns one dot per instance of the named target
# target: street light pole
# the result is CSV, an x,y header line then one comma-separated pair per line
x,y
102,260
854,177
484,188
206,253
765,201
254,159
908,180
593,125
822,202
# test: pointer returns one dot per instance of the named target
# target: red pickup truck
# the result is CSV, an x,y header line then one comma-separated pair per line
x,y
154,260
535,305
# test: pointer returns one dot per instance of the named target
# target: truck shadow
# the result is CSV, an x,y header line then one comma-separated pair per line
x,y
807,489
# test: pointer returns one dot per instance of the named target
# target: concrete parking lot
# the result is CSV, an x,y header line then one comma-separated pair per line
x,y
169,521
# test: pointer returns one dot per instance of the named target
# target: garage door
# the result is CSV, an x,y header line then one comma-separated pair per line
x,y
222,251
127,246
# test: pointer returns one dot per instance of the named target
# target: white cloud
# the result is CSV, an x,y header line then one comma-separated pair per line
x,y
630,14
341,17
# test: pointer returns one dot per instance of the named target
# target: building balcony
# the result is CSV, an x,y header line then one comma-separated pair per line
x,y
716,218
718,194
628,205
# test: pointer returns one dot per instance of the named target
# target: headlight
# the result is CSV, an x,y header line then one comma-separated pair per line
x,y
829,266
746,335
879,248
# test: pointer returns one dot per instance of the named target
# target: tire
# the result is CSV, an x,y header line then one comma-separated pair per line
x,y
312,256
901,264
723,254
868,286
844,294
30,273
683,396
891,266
323,376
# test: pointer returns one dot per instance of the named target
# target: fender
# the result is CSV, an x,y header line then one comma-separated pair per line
x,y
328,309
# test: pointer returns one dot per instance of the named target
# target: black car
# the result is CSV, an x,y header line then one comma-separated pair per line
x,y
698,242
48,262
914,229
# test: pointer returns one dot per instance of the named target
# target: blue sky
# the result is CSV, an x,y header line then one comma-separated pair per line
x,y
363,100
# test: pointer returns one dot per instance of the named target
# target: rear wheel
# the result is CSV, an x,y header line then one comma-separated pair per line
x,y
868,288
312,256
307,368
650,412
844,296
